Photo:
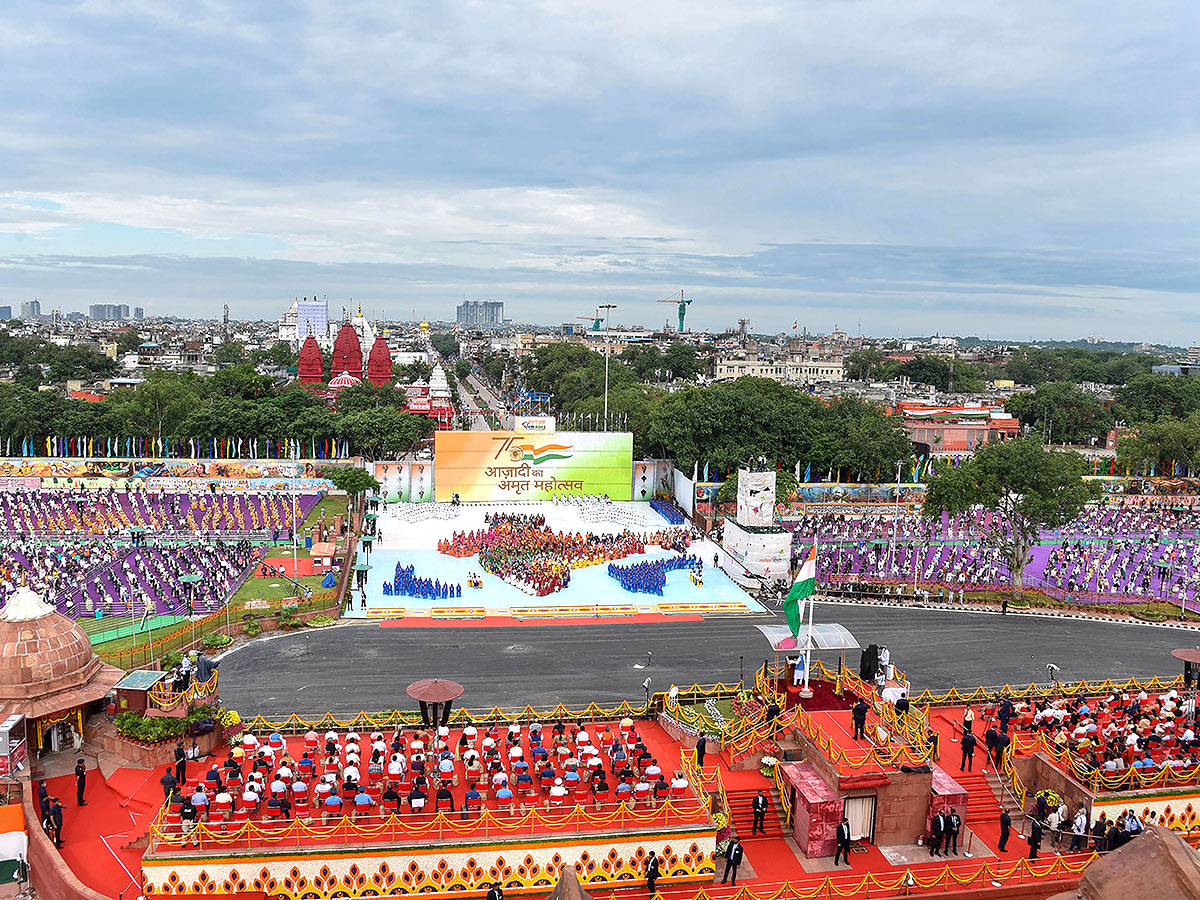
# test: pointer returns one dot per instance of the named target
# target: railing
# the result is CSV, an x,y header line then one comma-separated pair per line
x,y
422,826
393,718
954,697
949,877
161,698
182,637
874,758
1130,779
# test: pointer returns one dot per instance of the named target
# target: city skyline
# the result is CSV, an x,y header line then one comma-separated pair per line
x,y
1024,172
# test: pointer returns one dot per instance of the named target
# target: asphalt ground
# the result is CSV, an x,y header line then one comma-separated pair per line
x,y
363,667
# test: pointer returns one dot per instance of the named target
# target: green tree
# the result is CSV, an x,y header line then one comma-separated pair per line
x,y
444,344
1153,445
1062,411
1150,397
351,479
411,373
128,341
462,369
156,407
229,353
1034,366
942,372
279,354
1030,487
864,365
681,361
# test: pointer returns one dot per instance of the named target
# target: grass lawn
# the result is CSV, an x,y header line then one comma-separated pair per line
x,y
143,637
331,506
282,552
270,589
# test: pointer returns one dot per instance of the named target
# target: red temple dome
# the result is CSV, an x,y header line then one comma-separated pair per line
x,y
311,367
347,352
344,380
379,363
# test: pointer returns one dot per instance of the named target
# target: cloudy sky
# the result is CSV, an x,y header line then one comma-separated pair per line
x,y
1015,169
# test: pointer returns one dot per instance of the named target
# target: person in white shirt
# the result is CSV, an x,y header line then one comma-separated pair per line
x,y
284,773
446,768
396,767
223,800
557,790
515,752
679,781
250,796
351,774
278,788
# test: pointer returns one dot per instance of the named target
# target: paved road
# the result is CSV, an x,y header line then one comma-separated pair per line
x,y
478,423
489,398
365,667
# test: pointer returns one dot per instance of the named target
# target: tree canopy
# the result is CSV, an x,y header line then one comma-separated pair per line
x,y
1032,488
1061,412
351,479
756,419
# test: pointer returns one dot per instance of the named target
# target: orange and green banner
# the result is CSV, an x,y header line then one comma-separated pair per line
x,y
495,466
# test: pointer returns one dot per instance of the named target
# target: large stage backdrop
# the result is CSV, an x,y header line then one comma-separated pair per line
x,y
490,466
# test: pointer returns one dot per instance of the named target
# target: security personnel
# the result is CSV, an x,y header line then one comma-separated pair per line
x,y
937,832
843,843
56,820
651,872
759,804
859,713
953,826
80,782
496,892
733,859
1005,829
968,752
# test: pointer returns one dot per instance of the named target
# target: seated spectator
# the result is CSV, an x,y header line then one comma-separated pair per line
x,y
416,799
362,801
333,805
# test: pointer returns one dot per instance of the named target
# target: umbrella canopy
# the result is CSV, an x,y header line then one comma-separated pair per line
x,y
190,578
825,637
361,567
434,690
1187,654
568,887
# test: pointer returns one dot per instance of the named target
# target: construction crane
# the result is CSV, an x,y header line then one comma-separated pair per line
x,y
595,318
683,303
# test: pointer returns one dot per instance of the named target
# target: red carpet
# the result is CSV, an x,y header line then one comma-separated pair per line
x,y
509,621
93,835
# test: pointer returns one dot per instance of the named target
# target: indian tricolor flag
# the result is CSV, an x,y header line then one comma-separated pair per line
x,y
803,588
13,843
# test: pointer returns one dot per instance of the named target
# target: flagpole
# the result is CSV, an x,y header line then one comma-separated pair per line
x,y
805,692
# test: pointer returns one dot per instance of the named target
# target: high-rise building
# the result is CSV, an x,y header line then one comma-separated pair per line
x,y
481,312
5,312
108,312
139,313
31,309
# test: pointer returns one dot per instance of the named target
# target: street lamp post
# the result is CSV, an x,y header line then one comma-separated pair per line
x,y
608,308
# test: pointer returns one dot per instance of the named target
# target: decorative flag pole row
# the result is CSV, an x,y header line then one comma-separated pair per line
x,y
178,448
